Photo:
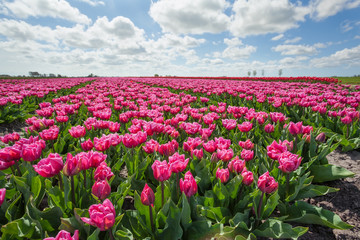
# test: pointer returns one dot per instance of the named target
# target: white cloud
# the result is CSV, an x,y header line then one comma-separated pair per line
x,y
277,37
235,49
357,37
346,57
44,8
289,49
322,9
93,2
190,17
294,40
254,17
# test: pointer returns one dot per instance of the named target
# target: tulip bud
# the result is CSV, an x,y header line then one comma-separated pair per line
x,y
289,162
248,177
147,196
87,145
162,171
236,165
321,137
50,166
101,189
223,175
188,185
267,184
72,165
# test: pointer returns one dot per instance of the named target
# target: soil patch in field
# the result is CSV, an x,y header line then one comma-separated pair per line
x,y
345,202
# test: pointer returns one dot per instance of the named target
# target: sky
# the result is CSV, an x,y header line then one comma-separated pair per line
x,y
181,38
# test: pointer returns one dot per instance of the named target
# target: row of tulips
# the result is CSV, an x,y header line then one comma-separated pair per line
x,y
195,167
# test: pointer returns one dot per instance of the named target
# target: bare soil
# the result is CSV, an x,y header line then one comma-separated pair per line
x,y
345,202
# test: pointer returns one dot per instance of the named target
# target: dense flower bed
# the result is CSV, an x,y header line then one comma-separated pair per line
x,y
174,158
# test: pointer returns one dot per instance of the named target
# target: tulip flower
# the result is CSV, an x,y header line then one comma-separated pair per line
x,y
62,119
225,154
2,195
222,143
210,146
101,189
77,131
101,215
247,144
148,199
289,162
269,128
102,144
103,172
87,145
151,146
31,152
178,162
114,127
229,124
72,165
247,155
223,175
162,172
188,185
64,235
50,166
147,196
321,137
248,177
267,184
245,126
198,153
50,134
295,128
236,165
275,149
5,165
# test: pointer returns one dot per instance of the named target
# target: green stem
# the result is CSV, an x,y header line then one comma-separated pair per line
x,y
60,182
18,168
162,194
259,208
13,170
73,191
287,184
84,174
151,219
111,234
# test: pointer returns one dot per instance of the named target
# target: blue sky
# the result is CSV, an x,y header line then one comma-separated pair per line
x,y
183,38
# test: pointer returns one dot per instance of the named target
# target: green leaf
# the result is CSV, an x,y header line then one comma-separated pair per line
x,y
14,211
233,186
299,184
185,213
172,228
314,191
303,212
328,172
278,229
23,227
270,205
216,214
143,210
222,194
94,235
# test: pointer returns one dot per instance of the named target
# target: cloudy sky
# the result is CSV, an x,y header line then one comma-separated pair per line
x,y
184,38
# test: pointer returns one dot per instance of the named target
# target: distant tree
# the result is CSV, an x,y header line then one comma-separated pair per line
x,y
52,75
254,73
249,73
156,75
59,76
34,74
262,72
280,72
91,75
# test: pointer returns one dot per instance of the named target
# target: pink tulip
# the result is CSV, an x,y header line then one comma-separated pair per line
x,y
178,163
103,172
247,155
225,154
295,128
210,146
188,185
236,165
248,177
102,144
64,235
247,144
77,131
245,126
275,149
50,134
31,152
267,184
289,162
50,166
101,189
223,174
269,128
161,170
229,124
87,145
198,153
151,146
147,196
9,154
101,215
72,165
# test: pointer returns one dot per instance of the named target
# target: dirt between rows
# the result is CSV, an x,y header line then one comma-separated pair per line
x,y
345,202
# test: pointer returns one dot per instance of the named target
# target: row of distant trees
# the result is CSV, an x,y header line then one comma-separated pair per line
x,y
51,75
254,72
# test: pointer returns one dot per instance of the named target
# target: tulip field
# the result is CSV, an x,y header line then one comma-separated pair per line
x,y
172,157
